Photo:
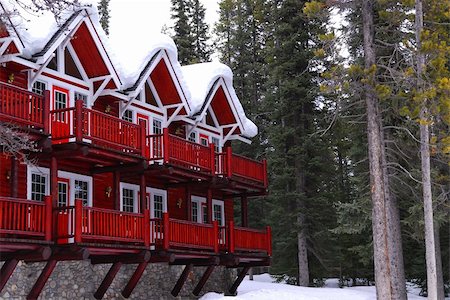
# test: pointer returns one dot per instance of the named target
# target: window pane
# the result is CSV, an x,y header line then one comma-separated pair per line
x,y
157,127
37,187
158,206
39,87
127,200
217,213
128,115
194,211
62,194
193,137
81,191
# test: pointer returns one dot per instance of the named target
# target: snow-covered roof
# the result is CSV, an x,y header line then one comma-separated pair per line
x,y
200,79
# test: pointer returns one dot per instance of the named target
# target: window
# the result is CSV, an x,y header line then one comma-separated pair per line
x,y
204,140
60,103
158,207
38,183
216,143
193,137
79,96
194,211
217,213
205,213
81,191
127,200
128,116
39,87
157,126
62,194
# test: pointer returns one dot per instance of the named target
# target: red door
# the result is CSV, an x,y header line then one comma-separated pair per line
x,y
63,214
61,118
145,120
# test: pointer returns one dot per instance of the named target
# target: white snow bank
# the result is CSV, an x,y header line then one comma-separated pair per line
x,y
263,288
200,79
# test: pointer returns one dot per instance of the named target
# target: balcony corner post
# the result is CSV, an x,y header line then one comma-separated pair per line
x,y
46,112
229,158
216,236
78,219
79,120
143,138
231,237
48,217
166,145
212,149
147,228
269,240
166,231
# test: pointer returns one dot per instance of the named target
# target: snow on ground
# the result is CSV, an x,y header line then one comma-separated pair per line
x,y
263,288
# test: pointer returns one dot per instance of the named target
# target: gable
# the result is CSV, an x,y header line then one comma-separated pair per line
x,y
222,108
164,84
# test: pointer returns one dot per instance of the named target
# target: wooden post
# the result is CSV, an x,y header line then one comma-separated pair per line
x,y
216,236
244,211
166,145
48,217
213,158
266,183
143,138
188,203
13,179
209,206
234,287
54,180
228,161
166,231
126,292
203,280
116,189
147,227
269,240
107,280
40,282
79,120
143,192
7,269
46,112
183,277
231,237
78,220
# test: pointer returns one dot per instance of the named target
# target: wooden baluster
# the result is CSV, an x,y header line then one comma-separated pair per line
x,y
166,231
216,236
48,217
78,220
231,237
166,145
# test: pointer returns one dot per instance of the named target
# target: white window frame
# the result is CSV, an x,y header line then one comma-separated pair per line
x,y
135,188
202,200
188,137
133,116
42,82
39,171
221,203
158,192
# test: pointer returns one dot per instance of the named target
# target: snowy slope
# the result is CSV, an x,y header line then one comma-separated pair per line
x,y
262,288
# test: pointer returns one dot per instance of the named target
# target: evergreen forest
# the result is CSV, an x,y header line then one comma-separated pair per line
x,y
352,101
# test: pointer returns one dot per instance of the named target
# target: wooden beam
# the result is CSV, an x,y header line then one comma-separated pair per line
x,y
143,194
54,183
198,288
162,256
137,167
14,177
244,211
183,277
144,256
126,292
116,189
107,280
7,269
232,290
78,254
188,203
209,206
40,254
229,260
42,280
197,261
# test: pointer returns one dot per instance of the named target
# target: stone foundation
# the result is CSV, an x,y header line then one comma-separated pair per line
x,y
80,280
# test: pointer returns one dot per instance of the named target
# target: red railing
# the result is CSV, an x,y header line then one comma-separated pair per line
x,y
101,129
26,217
23,107
178,151
252,240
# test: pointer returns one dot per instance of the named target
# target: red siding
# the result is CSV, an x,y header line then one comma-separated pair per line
x,y
229,211
164,84
19,78
100,183
173,196
5,168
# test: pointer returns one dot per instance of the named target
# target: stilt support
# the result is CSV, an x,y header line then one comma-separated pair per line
x,y
203,280
7,269
107,280
177,288
134,279
237,282
42,280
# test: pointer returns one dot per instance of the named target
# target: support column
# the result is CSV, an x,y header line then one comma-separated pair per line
x,y
209,206
189,203
237,282
54,180
183,277
134,279
13,180
143,193
244,211
107,280
116,189
7,269
42,280
203,280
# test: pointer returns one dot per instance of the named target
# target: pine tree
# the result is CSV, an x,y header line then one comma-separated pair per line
x,y
103,12
200,34
183,38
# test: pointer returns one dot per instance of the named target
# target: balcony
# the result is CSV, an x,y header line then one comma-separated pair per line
x,y
81,124
193,156
23,108
25,219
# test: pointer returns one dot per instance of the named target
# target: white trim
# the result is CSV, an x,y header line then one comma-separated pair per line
x,y
39,71
135,188
78,63
175,113
158,192
221,203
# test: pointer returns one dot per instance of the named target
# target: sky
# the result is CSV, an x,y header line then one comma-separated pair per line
x,y
135,19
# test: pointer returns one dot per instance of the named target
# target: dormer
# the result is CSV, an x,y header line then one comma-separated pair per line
x,y
10,43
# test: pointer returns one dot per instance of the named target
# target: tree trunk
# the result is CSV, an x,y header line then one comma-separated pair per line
x,y
379,222
439,271
303,269
430,247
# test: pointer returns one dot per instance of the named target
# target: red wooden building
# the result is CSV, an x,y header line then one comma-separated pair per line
x,y
129,171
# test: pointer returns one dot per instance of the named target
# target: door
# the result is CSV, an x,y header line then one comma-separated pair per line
x,y
61,118
202,160
64,214
142,119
